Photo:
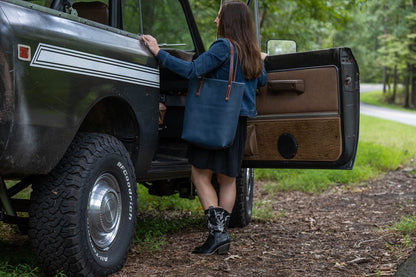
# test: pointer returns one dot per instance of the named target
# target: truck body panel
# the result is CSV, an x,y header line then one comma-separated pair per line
x,y
73,67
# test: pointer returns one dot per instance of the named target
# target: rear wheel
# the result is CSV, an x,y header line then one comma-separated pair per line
x,y
241,215
83,214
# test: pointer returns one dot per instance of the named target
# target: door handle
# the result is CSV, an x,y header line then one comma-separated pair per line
x,y
277,86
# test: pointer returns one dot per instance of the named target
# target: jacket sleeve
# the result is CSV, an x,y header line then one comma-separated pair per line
x,y
205,63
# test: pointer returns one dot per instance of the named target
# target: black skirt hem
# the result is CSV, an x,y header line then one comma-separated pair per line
x,y
226,161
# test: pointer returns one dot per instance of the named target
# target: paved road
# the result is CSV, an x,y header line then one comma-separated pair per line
x,y
389,114
370,87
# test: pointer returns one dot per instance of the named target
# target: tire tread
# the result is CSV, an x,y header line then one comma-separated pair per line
x,y
54,211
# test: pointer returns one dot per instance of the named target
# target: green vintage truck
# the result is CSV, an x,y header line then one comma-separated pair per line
x,y
86,113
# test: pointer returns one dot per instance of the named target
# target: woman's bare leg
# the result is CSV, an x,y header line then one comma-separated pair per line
x,y
206,192
227,192
218,240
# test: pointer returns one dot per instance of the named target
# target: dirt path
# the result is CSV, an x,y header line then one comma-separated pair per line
x,y
337,233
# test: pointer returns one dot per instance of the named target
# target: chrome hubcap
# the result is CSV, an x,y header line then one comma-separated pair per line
x,y
249,176
104,211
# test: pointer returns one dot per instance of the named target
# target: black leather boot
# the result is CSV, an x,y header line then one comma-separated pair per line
x,y
218,240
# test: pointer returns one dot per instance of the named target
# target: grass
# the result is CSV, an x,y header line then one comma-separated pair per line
x,y
152,228
16,257
383,146
377,98
147,202
153,224
263,211
406,226
17,271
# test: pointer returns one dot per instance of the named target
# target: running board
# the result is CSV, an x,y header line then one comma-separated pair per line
x,y
168,169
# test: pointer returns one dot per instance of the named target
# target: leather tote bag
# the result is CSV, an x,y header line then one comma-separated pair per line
x,y
212,110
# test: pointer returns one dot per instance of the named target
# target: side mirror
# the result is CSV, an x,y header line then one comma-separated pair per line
x,y
278,46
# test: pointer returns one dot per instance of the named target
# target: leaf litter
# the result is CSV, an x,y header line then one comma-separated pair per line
x,y
343,231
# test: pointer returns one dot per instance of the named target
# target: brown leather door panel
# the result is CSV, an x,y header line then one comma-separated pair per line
x,y
320,93
318,139
300,107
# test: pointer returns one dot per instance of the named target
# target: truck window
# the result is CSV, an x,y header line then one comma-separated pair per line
x,y
45,3
93,10
164,19
205,13
131,16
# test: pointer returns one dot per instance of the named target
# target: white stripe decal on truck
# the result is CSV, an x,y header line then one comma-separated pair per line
x,y
68,60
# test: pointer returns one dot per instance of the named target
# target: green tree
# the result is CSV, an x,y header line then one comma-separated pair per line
x,y
411,62
392,54
362,33
382,34
311,23
393,48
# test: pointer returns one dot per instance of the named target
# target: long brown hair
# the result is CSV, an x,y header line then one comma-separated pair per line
x,y
236,24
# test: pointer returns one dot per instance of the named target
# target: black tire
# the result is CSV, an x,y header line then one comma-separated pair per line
x,y
83,214
241,215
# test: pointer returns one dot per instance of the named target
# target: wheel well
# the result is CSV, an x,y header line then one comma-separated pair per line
x,y
114,116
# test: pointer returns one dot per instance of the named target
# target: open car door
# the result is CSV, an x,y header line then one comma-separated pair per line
x,y
308,113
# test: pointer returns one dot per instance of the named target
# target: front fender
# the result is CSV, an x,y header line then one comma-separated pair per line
x,y
73,64
7,88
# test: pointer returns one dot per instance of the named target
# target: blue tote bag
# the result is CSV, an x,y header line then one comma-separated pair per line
x,y
212,110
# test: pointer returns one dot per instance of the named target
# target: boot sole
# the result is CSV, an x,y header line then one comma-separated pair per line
x,y
220,250
223,249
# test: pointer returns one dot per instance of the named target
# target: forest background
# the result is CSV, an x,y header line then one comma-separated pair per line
x,y
381,33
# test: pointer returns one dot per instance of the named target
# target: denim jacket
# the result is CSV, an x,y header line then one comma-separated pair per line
x,y
215,63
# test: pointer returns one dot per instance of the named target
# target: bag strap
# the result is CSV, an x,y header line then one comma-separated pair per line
x,y
231,74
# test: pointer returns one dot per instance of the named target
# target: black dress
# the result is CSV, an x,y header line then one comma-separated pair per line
x,y
226,161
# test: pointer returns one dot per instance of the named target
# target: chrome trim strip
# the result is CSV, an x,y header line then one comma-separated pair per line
x,y
295,116
68,60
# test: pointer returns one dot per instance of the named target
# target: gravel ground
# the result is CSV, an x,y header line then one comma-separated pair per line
x,y
340,232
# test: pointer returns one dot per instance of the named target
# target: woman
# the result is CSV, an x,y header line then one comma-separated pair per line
x,y
234,23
